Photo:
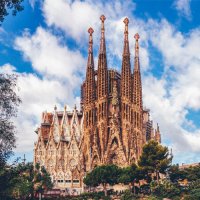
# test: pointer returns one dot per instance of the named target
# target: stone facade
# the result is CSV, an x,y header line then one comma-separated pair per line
x,y
111,127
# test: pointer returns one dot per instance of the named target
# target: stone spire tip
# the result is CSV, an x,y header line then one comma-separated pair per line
x,y
90,31
137,36
102,18
126,21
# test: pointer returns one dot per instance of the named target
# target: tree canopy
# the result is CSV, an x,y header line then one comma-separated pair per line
x,y
105,174
155,158
20,181
8,108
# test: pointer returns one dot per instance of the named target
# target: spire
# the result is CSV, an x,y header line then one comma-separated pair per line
x,y
126,42
126,66
102,44
90,79
102,75
137,65
137,84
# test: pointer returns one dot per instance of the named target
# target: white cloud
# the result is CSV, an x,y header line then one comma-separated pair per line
x,y
177,91
60,74
75,17
7,68
183,6
37,95
50,57
85,14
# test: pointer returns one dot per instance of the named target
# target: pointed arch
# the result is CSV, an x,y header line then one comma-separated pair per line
x,y
95,161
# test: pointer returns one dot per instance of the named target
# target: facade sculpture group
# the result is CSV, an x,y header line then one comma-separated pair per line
x,y
111,127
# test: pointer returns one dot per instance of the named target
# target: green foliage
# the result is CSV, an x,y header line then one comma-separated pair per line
x,y
130,174
105,174
21,180
155,158
176,174
8,108
91,195
192,173
128,195
193,195
194,185
6,5
165,189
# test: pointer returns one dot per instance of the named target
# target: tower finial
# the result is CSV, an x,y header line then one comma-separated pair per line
x,y
90,31
102,18
102,45
137,37
55,107
126,21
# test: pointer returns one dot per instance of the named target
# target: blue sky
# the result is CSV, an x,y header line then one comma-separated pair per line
x,y
46,44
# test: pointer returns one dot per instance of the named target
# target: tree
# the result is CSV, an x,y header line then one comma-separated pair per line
x,y
13,5
155,158
193,194
175,174
193,173
41,179
128,196
90,179
105,174
8,108
21,181
166,189
131,174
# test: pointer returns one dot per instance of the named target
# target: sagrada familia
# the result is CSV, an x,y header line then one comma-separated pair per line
x,y
111,127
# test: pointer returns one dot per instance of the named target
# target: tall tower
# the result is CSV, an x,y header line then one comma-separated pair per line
x,y
89,104
137,101
102,92
126,92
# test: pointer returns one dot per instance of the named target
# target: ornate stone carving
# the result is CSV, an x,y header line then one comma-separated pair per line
x,y
111,127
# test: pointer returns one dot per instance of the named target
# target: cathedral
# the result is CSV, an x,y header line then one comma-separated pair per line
x,y
111,127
